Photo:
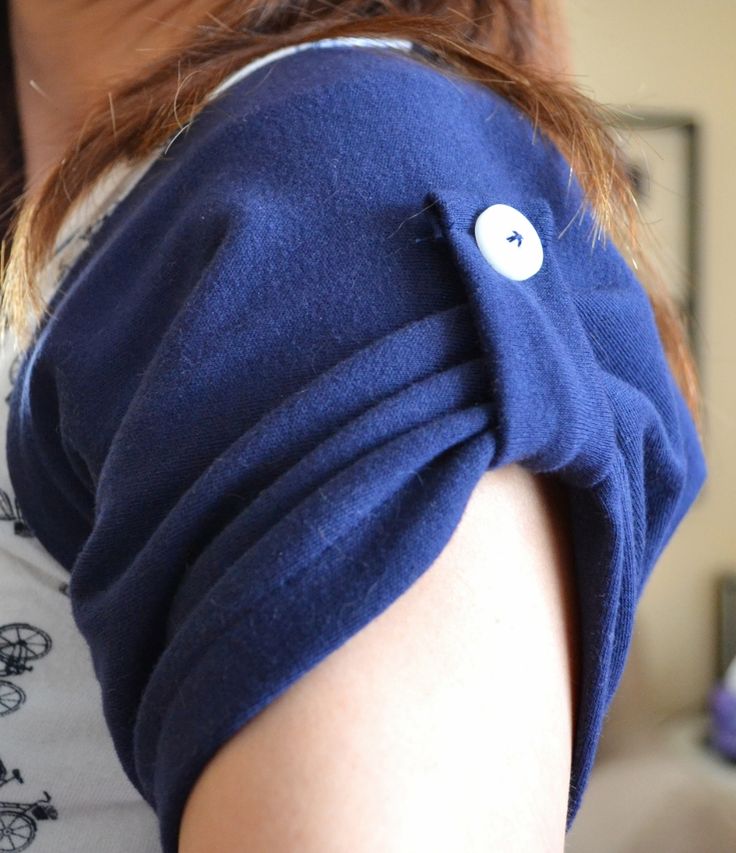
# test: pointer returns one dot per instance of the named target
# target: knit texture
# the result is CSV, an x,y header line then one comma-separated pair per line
x,y
269,386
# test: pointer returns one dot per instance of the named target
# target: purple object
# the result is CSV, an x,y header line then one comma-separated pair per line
x,y
722,704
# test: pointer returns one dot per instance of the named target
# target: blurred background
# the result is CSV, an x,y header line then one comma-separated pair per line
x,y
660,781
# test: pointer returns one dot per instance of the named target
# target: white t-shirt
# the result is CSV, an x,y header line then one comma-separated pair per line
x,y
62,787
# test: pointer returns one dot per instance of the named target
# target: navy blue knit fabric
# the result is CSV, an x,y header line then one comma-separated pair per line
x,y
268,388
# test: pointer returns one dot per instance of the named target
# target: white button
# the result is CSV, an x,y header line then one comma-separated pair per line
x,y
509,242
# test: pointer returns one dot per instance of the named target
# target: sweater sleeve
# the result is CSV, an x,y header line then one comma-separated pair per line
x,y
283,371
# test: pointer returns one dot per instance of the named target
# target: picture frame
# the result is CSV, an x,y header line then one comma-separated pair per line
x,y
663,155
726,620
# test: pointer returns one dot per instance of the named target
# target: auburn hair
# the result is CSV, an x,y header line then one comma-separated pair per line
x,y
517,48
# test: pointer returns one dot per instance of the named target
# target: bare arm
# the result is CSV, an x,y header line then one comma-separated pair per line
x,y
445,724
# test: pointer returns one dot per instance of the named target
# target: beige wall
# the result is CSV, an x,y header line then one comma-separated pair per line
x,y
681,56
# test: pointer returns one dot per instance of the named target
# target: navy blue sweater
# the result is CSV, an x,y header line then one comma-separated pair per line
x,y
268,387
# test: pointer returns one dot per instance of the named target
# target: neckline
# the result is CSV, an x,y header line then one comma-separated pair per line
x,y
103,196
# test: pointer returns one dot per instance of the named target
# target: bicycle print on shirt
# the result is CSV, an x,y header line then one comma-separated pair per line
x,y
19,821
19,644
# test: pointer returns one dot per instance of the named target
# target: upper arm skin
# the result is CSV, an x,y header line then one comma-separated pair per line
x,y
446,723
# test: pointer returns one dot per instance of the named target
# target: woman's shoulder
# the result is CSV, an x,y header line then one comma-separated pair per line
x,y
357,74
375,116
